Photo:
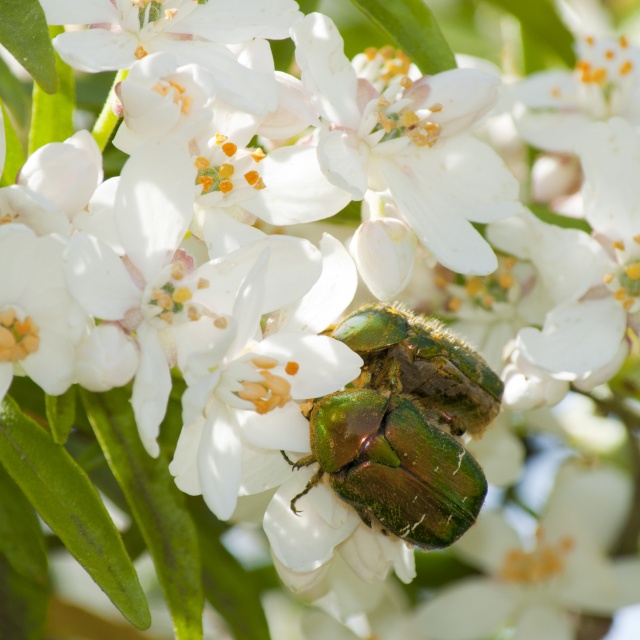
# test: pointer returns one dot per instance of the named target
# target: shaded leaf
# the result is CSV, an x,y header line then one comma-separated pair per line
x,y
52,115
24,32
413,29
14,94
61,414
67,501
156,505
14,158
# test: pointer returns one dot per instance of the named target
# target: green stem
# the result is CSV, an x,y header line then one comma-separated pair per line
x,y
107,120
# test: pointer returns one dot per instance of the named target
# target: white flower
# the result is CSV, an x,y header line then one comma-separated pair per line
x,y
39,322
160,99
65,173
556,106
566,571
410,140
124,31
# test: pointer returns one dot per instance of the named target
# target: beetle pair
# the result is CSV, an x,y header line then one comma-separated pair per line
x,y
388,444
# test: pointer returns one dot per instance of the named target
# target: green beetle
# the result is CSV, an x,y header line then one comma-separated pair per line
x,y
385,445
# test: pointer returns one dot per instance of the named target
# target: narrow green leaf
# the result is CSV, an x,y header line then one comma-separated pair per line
x,y
542,23
68,502
14,158
24,32
61,414
413,29
230,589
52,115
157,506
15,95
24,583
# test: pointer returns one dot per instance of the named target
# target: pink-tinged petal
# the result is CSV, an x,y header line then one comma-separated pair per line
x,y
329,296
245,89
96,50
487,605
486,543
326,72
98,279
610,155
241,20
52,366
577,338
325,364
151,388
297,191
306,541
85,12
6,376
283,428
184,466
344,159
559,132
542,621
219,462
294,265
154,204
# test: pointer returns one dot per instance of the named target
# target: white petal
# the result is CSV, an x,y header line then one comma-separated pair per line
x,y
344,160
97,49
325,364
219,463
262,469
297,190
154,204
487,605
98,279
283,428
305,542
184,466
577,338
87,12
326,72
546,622
151,388
547,90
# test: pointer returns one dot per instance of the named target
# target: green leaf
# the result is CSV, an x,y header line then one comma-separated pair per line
x,y
14,158
551,217
542,22
61,414
24,32
15,95
228,586
52,115
414,30
68,502
24,582
156,505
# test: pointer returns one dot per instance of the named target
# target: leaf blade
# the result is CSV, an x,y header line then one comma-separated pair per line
x,y
61,414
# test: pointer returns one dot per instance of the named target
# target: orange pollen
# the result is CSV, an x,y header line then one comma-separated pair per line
x,y
633,271
139,53
271,393
226,170
225,186
474,286
609,54
251,177
618,244
620,295
291,368
623,42
202,163
220,139
258,155
626,67
206,182
544,562
193,314
599,75
506,280
18,338
229,149
370,53
590,40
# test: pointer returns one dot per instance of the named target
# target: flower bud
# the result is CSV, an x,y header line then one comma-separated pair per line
x,y
384,250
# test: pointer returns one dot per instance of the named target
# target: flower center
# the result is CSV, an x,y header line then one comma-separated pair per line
x,y
625,283
220,171
177,92
383,65
542,563
18,338
267,390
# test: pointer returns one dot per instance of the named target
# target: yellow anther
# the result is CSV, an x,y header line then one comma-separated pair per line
x,y
167,316
7,317
220,323
609,54
277,385
259,185
385,122
18,338
178,270
291,368
388,52
193,314
170,14
555,92
454,304
203,283
633,271
226,170
182,294
618,244
161,88
177,86
487,301
225,186
436,108
185,105
229,149
509,262
202,163
139,53
206,182
506,280
607,278
264,362
406,82
636,239
474,285
409,118
623,42
258,155
590,40
599,75
620,295
628,304
625,68
220,139
252,177
370,53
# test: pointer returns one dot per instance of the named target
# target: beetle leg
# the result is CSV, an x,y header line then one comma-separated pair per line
x,y
307,461
312,483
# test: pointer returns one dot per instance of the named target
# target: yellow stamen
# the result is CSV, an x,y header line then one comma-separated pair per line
x,y
258,155
623,42
220,323
178,270
220,139
454,304
626,67
264,362
618,244
182,294
206,182
226,170
633,271
139,53
203,283
607,278
291,368
590,40
620,295
225,186
259,185
202,163
229,149
609,54
506,280
251,177
370,53
628,304
474,286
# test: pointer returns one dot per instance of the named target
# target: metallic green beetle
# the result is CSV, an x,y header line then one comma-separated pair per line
x,y
385,445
